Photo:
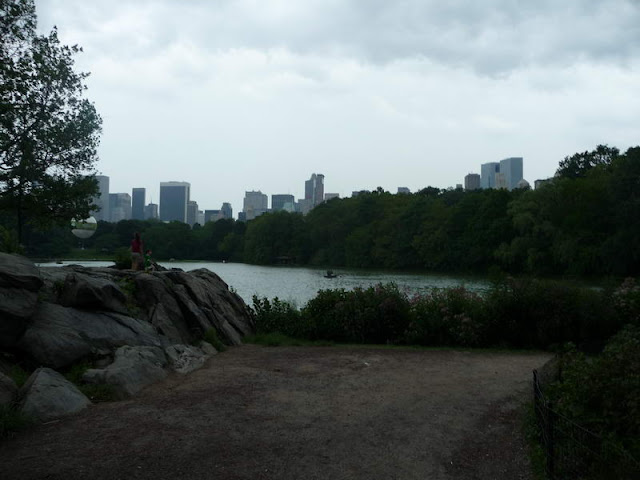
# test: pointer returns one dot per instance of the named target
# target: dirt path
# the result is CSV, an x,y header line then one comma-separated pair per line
x,y
300,413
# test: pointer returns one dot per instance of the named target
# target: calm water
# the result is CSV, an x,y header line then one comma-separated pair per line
x,y
299,285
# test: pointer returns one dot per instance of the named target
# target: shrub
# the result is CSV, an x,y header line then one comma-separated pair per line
x,y
378,314
276,315
122,258
12,420
451,316
602,393
211,337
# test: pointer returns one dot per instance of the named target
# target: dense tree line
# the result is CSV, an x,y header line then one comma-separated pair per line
x,y
583,222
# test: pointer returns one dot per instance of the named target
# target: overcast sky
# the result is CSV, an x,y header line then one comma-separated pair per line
x,y
236,95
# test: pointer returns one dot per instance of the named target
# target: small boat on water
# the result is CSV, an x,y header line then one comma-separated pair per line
x,y
330,274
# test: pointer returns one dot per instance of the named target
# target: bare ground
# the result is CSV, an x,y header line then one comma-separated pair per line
x,y
300,413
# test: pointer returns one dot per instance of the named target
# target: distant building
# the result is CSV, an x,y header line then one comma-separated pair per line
x,y
255,204
403,190
279,201
304,205
359,192
523,184
488,174
200,218
538,183
458,186
512,170
102,199
137,203
314,189
174,197
151,211
242,217
472,181
226,211
212,216
192,212
329,196
504,174
119,206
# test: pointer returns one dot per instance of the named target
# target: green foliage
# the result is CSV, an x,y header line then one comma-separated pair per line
x,y
99,393
12,420
276,315
18,375
122,258
9,241
602,393
520,313
451,316
49,133
75,372
211,337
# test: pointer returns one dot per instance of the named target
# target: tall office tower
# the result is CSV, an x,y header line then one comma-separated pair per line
x,y
512,169
119,207
314,189
488,174
137,203
472,181
151,211
192,212
174,197
255,204
212,216
226,211
279,201
102,200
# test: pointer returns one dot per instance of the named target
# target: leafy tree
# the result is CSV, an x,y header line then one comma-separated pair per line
x,y
579,164
48,132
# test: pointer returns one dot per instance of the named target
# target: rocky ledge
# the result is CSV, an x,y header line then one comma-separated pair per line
x,y
131,327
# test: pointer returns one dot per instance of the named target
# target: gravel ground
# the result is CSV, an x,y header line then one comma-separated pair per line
x,y
300,413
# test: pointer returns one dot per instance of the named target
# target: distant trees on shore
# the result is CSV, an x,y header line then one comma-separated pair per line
x,y
583,222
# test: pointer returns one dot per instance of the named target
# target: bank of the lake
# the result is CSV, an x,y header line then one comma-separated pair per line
x,y
300,284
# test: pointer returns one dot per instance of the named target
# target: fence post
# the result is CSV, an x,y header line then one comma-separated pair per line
x,y
550,439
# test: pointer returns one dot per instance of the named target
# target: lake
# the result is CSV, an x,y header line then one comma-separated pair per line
x,y
300,284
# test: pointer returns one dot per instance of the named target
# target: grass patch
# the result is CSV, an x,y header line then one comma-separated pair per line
x,y
12,421
99,393
211,336
277,339
18,375
531,432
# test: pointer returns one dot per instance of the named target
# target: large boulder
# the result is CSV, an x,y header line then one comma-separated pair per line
x,y
91,292
47,395
8,390
19,272
133,369
59,336
154,296
187,358
19,284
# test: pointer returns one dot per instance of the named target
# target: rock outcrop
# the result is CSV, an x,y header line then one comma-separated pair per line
x,y
48,395
135,325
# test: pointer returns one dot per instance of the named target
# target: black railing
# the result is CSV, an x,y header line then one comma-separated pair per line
x,y
572,451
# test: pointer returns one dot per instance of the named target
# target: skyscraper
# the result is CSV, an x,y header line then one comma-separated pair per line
x,y
119,207
151,211
226,210
137,203
255,204
314,189
102,200
174,197
472,181
488,174
192,212
278,202
512,169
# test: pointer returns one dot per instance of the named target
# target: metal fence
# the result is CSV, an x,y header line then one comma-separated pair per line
x,y
572,452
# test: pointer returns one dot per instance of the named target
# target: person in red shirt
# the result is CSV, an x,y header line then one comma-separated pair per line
x,y
136,252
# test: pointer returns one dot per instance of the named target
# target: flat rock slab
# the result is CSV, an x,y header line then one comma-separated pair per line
x,y
290,413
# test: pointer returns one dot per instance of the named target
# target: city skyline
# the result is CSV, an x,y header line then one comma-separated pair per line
x,y
234,97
